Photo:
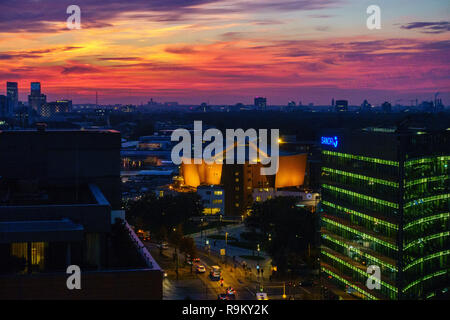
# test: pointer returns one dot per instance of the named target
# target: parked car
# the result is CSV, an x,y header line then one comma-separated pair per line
x,y
215,273
200,269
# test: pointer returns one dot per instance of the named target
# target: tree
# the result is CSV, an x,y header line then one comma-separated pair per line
x,y
187,246
292,231
151,212
175,239
161,237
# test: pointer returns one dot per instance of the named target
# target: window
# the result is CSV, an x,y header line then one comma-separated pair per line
x,y
218,193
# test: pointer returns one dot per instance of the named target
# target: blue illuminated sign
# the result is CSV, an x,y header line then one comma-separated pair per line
x,y
330,141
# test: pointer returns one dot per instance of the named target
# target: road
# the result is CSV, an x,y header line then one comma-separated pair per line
x,y
246,283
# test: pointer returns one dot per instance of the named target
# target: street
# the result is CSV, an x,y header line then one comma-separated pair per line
x,y
199,286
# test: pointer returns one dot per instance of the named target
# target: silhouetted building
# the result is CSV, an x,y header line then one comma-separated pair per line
x,y
6,109
36,99
341,106
59,203
50,109
386,107
12,91
260,102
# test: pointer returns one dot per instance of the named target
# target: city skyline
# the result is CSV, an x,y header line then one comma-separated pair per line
x,y
224,52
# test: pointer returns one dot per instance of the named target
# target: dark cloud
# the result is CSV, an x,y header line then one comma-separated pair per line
x,y
12,55
181,50
40,16
428,27
119,58
79,69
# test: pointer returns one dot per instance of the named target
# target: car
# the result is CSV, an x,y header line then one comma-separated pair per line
x,y
196,260
215,273
230,296
163,245
230,290
261,296
200,269
226,296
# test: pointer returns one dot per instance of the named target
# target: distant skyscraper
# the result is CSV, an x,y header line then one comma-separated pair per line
x,y
5,106
341,105
386,107
366,106
260,102
36,99
12,91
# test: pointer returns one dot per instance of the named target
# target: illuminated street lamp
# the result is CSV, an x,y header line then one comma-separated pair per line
x,y
284,290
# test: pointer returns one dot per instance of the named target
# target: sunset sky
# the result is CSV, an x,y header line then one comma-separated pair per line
x,y
227,51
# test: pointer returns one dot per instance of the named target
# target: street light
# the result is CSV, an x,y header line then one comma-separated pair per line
x,y
284,290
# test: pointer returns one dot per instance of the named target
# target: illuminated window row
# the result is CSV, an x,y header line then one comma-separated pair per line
x,y
361,272
423,180
431,256
362,158
361,196
428,238
432,198
361,215
368,256
427,277
363,235
425,160
427,219
361,177
348,283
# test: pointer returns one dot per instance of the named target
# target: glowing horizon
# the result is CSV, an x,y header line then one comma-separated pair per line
x,y
227,51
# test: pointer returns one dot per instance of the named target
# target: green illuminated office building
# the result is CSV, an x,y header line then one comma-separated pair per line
x,y
385,202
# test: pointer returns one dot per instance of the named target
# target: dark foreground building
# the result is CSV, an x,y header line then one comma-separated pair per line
x,y
386,203
59,200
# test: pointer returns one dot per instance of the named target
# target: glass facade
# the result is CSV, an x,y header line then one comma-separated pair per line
x,y
391,213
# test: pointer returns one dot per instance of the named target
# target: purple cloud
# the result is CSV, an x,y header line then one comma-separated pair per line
x,y
428,27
